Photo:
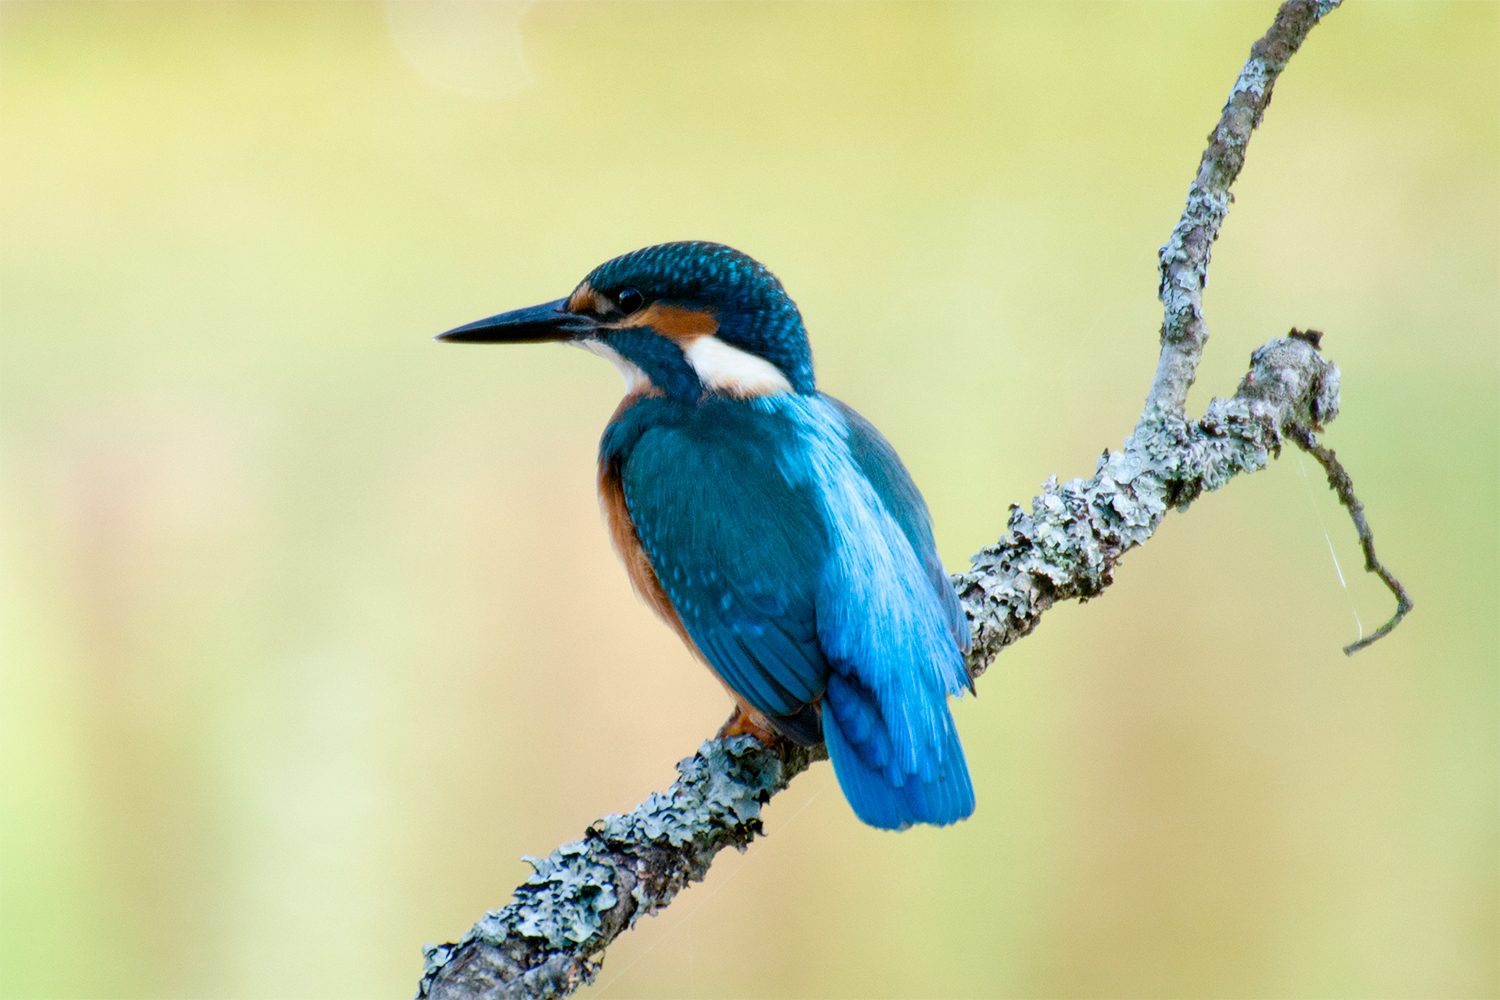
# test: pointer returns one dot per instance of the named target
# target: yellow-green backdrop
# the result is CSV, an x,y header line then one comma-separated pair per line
x,y
311,628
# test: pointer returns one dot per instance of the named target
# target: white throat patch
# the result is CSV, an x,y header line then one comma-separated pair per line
x,y
635,379
726,369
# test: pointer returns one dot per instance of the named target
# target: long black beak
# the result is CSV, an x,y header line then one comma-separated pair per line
x,y
532,325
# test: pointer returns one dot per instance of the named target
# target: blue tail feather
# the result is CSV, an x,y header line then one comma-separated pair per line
x,y
882,795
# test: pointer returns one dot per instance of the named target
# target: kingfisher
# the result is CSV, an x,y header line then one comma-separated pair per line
x,y
768,524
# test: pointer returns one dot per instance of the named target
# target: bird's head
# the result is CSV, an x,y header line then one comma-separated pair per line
x,y
679,318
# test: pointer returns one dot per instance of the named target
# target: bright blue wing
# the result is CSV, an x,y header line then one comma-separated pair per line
x,y
893,484
799,558
886,623
738,548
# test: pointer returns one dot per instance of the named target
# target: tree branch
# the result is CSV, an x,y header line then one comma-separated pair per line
x,y
1183,261
1069,544
551,939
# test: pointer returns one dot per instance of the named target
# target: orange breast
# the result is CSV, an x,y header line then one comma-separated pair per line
x,y
628,544
644,579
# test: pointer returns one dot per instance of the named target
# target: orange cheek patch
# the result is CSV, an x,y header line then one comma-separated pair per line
x,y
585,299
675,323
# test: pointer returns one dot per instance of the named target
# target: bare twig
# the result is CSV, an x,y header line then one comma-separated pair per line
x,y
1341,484
551,938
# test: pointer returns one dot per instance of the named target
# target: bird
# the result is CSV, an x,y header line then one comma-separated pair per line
x,y
772,527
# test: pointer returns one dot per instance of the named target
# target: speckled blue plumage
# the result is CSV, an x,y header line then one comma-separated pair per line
x,y
799,556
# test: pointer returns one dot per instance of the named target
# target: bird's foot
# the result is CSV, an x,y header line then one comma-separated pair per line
x,y
748,723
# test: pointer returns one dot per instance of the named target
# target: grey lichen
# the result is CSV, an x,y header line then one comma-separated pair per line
x,y
1183,260
722,786
566,897
546,943
1068,545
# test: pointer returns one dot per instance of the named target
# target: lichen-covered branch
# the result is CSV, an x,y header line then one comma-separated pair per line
x,y
1067,547
551,938
1183,261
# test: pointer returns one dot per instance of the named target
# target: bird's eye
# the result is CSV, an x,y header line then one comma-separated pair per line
x,y
629,299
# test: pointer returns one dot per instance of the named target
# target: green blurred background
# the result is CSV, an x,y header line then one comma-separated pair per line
x,y
311,627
